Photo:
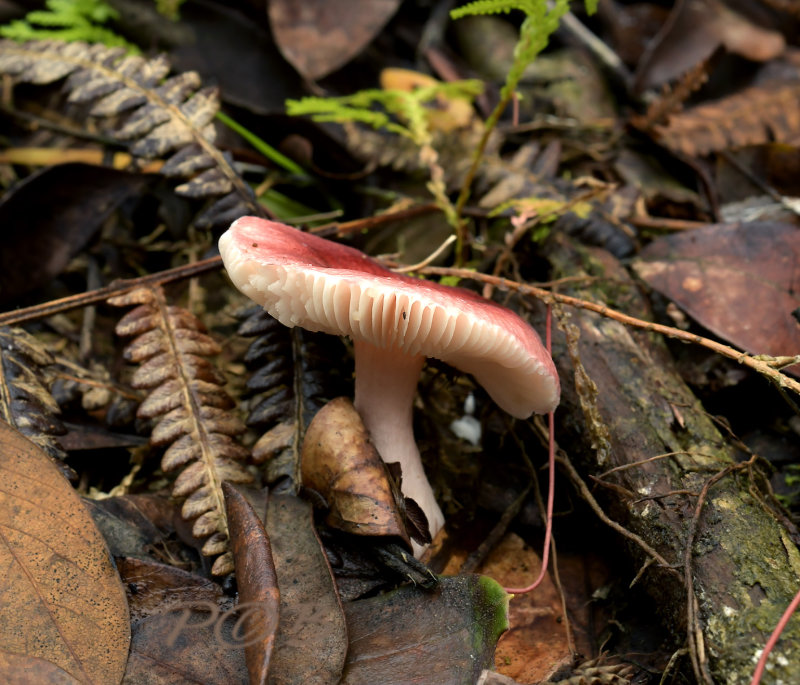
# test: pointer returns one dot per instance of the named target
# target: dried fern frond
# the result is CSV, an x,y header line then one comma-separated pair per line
x,y
25,401
191,409
603,670
753,116
295,374
154,114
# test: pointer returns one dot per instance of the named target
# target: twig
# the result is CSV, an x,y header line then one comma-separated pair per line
x,y
39,311
499,529
641,462
433,255
340,229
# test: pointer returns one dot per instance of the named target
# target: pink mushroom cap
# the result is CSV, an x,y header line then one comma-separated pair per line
x,y
307,281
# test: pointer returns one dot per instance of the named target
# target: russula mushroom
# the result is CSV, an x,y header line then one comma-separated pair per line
x,y
395,322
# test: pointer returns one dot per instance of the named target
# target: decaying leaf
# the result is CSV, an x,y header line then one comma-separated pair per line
x,y
25,402
259,599
38,242
18,669
155,114
753,116
414,636
192,410
694,30
740,281
311,644
537,638
62,600
340,463
182,628
317,37
294,373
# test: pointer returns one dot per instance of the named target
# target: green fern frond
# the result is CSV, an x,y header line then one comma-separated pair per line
x,y
493,7
397,111
69,20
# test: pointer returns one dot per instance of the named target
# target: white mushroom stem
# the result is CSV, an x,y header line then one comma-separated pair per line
x,y
386,380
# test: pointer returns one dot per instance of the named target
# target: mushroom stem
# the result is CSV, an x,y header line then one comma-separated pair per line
x,y
386,380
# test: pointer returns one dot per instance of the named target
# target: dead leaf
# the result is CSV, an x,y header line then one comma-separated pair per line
x,y
182,628
227,47
740,281
259,599
341,464
311,644
447,635
319,36
62,599
694,30
537,638
134,525
38,242
16,669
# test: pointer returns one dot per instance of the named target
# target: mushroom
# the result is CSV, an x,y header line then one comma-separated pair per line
x,y
395,322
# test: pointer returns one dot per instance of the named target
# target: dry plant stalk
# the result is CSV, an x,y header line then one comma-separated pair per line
x,y
187,399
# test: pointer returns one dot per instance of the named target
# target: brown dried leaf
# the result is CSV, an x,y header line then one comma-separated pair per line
x,y
537,638
62,599
190,406
38,243
317,37
694,30
414,636
259,599
311,644
740,281
341,464
182,628
19,669
753,116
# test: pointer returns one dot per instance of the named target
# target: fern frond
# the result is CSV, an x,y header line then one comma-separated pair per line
x,y
494,7
155,115
294,374
192,410
69,21
401,112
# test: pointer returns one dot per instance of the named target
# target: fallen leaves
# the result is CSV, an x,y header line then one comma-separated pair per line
x,y
317,36
445,636
739,281
63,604
340,463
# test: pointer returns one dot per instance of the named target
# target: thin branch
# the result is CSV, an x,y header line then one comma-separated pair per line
x,y
39,311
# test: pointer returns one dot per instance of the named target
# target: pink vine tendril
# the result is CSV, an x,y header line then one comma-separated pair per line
x,y
551,480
